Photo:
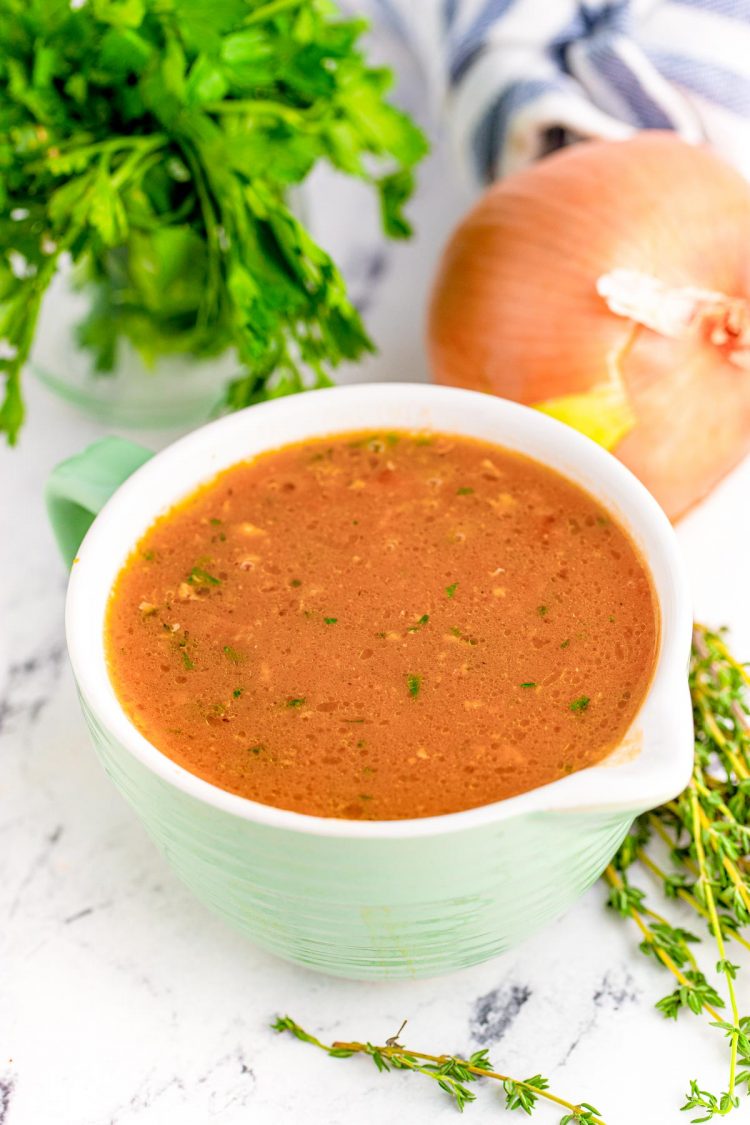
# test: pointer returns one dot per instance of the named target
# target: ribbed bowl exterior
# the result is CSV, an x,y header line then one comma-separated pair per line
x,y
371,908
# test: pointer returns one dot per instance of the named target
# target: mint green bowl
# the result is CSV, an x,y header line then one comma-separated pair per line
x,y
374,899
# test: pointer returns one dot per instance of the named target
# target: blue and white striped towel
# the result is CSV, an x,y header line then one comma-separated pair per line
x,y
518,78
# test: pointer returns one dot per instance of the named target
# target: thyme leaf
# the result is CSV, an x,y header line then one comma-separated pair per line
x,y
696,849
453,1075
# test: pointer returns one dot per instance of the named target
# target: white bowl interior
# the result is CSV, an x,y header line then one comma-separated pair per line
x,y
655,760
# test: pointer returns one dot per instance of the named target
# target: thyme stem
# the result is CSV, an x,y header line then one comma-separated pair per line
x,y
707,831
705,883
450,1071
440,1060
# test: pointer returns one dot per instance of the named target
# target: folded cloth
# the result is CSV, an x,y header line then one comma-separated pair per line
x,y
519,78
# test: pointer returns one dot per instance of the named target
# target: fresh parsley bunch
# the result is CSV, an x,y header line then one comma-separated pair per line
x,y
155,142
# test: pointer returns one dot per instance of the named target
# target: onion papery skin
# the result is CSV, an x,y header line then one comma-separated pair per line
x,y
515,309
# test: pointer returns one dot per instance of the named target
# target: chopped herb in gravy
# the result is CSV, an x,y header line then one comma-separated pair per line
x,y
450,621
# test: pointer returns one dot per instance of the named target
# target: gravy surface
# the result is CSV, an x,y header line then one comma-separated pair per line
x,y
383,626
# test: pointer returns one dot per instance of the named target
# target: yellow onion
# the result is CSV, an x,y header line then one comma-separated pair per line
x,y
609,285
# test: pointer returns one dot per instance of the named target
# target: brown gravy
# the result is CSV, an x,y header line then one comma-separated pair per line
x,y
383,626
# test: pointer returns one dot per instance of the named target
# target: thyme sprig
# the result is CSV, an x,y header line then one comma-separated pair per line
x,y
696,849
452,1074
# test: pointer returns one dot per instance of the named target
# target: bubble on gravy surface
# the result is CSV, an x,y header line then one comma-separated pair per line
x,y
383,626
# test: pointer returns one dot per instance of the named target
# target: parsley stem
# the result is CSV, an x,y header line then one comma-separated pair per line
x,y
141,158
727,864
685,895
144,143
658,827
24,333
212,234
704,791
268,10
263,108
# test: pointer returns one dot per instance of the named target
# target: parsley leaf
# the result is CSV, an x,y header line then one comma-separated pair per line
x,y
158,152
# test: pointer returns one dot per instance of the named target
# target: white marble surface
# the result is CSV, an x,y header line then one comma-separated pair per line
x,y
124,1002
